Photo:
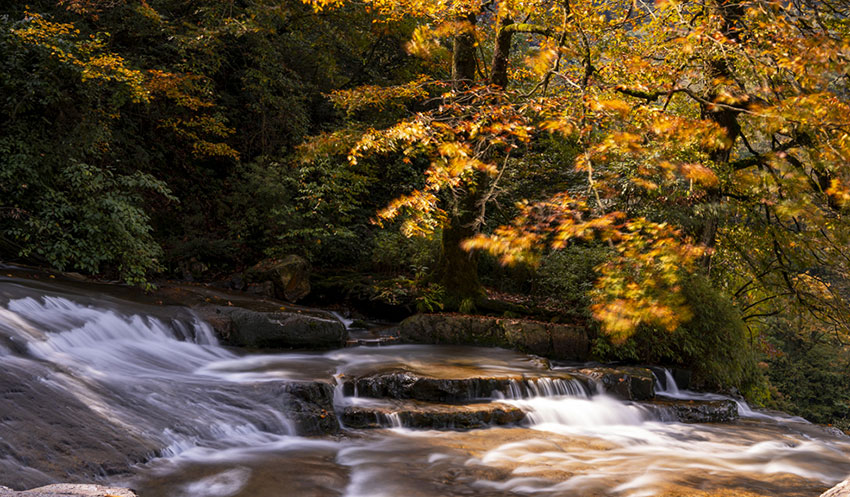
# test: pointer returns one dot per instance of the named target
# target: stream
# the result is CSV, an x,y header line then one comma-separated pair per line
x,y
89,379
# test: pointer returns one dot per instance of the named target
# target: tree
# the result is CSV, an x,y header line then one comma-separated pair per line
x,y
698,124
64,201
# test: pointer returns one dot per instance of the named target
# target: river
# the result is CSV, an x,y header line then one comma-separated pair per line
x,y
100,373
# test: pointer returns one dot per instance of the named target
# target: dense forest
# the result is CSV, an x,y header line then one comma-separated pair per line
x,y
671,174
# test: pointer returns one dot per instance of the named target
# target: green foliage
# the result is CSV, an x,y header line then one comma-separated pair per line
x,y
715,344
392,252
467,306
810,380
66,198
210,100
568,275
430,298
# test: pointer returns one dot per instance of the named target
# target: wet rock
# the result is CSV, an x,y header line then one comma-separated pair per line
x,y
310,406
682,377
557,341
628,383
836,432
48,435
432,416
307,404
290,276
406,385
70,490
696,411
241,327
840,490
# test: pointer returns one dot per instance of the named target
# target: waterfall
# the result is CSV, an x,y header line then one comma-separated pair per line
x,y
139,371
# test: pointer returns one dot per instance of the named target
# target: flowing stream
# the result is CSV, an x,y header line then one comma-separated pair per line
x,y
207,422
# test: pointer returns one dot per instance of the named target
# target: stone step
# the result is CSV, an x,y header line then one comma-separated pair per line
x,y
694,411
372,337
555,341
379,341
423,415
627,383
407,385
437,416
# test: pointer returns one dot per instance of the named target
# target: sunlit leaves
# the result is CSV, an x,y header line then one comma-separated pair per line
x,y
688,111
64,43
642,284
379,97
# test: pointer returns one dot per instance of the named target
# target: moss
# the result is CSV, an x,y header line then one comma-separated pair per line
x,y
715,344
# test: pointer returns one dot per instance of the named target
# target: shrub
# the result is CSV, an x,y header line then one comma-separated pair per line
x,y
715,344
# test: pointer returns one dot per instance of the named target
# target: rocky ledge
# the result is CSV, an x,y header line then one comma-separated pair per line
x,y
241,327
407,385
431,416
695,411
627,383
69,490
556,341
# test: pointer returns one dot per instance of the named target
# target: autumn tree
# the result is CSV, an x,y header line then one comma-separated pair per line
x,y
699,125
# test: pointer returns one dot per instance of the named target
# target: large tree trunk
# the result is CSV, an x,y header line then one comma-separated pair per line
x,y
457,270
501,53
463,54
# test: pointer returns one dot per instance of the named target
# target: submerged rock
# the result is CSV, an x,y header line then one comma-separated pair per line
x,y
432,416
70,490
628,383
557,341
696,411
242,327
308,404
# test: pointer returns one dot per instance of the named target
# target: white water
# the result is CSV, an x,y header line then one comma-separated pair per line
x,y
141,372
166,378
744,410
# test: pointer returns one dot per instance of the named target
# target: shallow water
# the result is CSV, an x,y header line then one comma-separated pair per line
x,y
159,373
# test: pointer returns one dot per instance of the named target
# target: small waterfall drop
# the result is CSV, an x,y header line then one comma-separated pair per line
x,y
139,371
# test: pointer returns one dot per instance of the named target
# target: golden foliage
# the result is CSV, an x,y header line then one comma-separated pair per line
x,y
63,42
737,113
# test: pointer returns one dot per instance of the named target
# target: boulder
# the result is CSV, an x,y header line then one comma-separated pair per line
x,y
556,341
70,490
432,416
627,383
289,275
242,327
840,490
47,434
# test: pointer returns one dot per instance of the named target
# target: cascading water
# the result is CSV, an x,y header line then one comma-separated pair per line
x,y
671,390
139,371
218,428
